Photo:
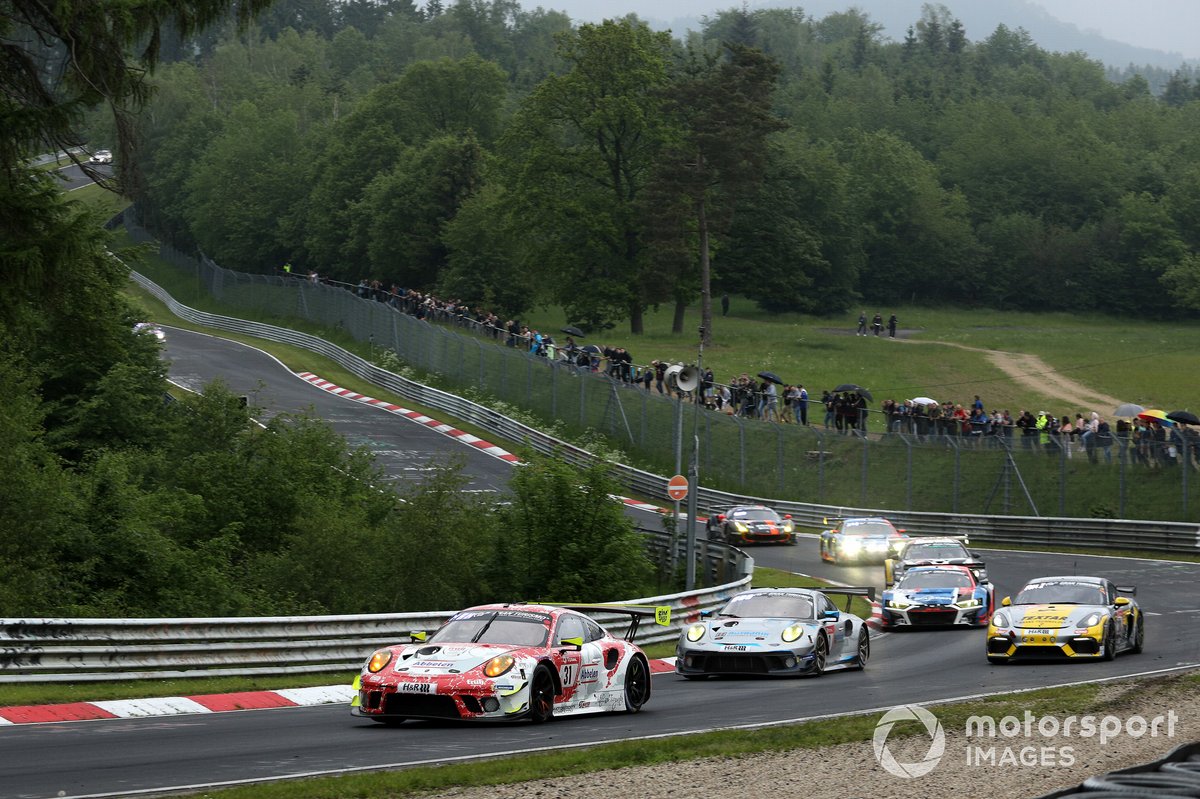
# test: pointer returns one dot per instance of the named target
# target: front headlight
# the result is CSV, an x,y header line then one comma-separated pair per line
x,y
379,660
792,633
898,604
740,527
969,603
851,544
1000,619
1092,620
695,632
498,665
788,527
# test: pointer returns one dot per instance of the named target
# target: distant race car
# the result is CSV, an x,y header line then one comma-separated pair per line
x,y
932,552
862,538
501,662
1067,617
102,157
150,329
779,632
938,595
746,524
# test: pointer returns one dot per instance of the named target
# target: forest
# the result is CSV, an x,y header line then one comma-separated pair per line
x,y
508,158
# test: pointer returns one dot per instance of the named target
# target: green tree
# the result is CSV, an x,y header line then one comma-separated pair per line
x,y
568,541
579,155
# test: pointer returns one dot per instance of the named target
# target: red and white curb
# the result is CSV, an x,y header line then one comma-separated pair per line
x,y
203,703
419,418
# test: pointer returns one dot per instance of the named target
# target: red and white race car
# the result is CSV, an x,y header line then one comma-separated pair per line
x,y
499,662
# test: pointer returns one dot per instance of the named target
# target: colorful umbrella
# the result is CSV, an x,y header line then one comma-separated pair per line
x,y
1155,415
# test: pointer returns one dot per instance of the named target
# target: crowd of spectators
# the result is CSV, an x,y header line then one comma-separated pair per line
x,y
1151,442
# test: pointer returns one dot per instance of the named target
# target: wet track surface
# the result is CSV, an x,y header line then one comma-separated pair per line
x,y
98,757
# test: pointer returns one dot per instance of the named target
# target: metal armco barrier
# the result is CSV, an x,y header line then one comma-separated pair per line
x,y
93,650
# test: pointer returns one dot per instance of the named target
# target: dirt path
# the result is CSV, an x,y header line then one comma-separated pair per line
x,y
1035,374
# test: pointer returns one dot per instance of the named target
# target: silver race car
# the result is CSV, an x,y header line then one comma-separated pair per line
x,y
777,632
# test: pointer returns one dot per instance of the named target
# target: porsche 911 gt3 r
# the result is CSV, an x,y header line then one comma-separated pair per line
x,y
863,538
776,631
938,595
499,662
932,551
1071,617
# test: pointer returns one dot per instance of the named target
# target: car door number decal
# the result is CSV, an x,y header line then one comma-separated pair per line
x,y
568,673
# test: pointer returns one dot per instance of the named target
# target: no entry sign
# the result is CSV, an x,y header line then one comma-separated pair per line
x,y
677,487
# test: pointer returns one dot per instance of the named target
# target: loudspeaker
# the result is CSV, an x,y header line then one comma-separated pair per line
x,y
671,375
688,378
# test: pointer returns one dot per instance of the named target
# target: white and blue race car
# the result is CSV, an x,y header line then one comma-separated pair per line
x,y
776,632
927,596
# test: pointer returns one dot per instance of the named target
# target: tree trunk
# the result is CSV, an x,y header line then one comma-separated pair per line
x,y
636,325
680,309
705,290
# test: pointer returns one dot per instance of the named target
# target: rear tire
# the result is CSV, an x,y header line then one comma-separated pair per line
x,y
637,685
1139,637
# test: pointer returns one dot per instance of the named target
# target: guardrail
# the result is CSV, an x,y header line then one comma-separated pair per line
x,y
94,650
1125,534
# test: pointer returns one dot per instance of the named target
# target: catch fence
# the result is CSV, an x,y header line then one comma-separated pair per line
x,y
942,471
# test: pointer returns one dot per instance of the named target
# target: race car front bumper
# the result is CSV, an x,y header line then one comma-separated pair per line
x,y
780,662
1046,644
935,616
486,701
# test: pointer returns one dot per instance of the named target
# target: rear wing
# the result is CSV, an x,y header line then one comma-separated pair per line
x,y
660,613
1130,590
850,592
964,538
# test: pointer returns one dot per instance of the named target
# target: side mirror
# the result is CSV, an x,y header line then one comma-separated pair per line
x,y
977,556
571,644
1121,601
1006,601
706,614
787,515
830,614
720,517
418,635
901,530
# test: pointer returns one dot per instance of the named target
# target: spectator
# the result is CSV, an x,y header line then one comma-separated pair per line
x,y
1104,439
892,322
724,305
828,401
877,324
862,324
802,403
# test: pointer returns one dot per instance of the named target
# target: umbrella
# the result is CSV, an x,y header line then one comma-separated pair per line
x,y
573,331
1183,417
1155,415
771,376
923,401
1128,409
590,348
855,388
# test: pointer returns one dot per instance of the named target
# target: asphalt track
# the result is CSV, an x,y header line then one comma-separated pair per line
x,y
123,757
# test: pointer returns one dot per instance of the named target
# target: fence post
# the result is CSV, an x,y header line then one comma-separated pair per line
x,y
479,346
554,390
957,472
908,479
1062,476
741,453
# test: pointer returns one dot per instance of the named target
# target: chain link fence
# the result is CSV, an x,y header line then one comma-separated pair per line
x,y
947,471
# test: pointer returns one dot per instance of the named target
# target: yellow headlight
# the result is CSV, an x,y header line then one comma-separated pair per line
x,y
379,660
969,603
498,665
695,632
898,604
790,634
741,528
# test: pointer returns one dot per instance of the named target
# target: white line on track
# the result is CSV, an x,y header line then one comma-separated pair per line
x,y
562,747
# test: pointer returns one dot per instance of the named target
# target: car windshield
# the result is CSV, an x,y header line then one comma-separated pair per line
x,y
495,627
754,514
867,528
940,551
771,606
941,578
1064,592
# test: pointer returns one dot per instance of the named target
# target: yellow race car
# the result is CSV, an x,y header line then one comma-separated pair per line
x,y
1066,617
